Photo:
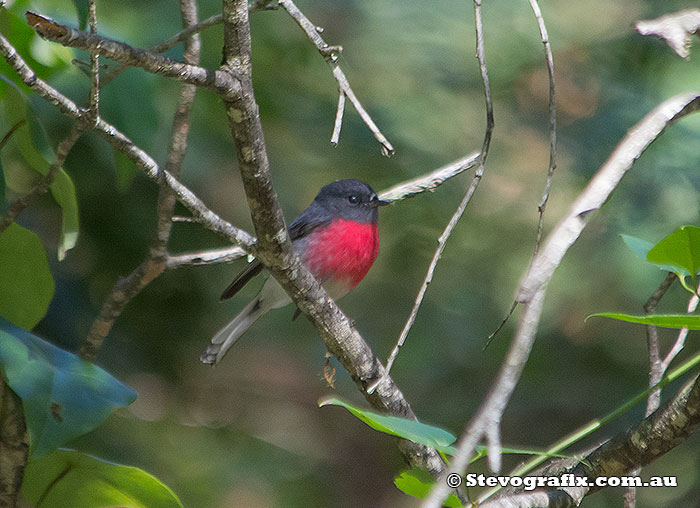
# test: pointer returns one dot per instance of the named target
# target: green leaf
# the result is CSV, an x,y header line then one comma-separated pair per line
x,y
26,284
689,321
63,396
412,430
28,152
641,248
418,483
68,478
680,249
63,192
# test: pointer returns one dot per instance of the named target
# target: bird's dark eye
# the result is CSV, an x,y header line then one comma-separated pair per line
x,y
353,199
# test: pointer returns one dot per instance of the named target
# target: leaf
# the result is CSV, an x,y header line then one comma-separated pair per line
x,y
27,152
677,321
641,248
63,191
680,249
418,483
69,478
415,431
63,396
26,283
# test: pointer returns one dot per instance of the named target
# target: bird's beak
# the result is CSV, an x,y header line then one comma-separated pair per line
x,y
378,202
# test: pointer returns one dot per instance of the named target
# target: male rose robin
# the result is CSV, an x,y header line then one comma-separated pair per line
x,y
336,238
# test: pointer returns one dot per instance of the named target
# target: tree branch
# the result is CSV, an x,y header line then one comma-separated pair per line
x,y
533,287
408,189
330,54
14,447
122,143
275,251
223,82
637,446
154,264
675,29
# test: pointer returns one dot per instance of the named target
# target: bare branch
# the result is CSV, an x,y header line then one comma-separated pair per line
x,y
335,137
655,371
154,264
442,241
14,445
552,122
639,445
94,107
330,55
206,257
223,82
601,186
122,143
675,29
429,182
533,287
275,251
404,190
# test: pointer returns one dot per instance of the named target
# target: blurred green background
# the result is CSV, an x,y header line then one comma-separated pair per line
x,y
249,433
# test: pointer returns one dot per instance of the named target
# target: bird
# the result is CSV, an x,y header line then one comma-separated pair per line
x,y
337,239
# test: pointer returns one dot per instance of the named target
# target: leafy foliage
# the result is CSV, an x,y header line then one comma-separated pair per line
x,y
415,431
92,483
678,321
26,284
418,483
27,153
63,396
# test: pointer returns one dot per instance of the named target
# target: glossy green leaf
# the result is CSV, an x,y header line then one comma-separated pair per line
x,y
677,321
72,479
63,396
418,483
680,249
28,152
418,432
641,248
26,283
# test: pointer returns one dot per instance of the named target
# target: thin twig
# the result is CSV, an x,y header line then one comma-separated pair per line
x,y
656,372
429,182
330,55
206,257
44,183
549,59
9,134
679,344
629,498
275,251
404,190
94,104
335,137
442,241
552,122
154,264
533,287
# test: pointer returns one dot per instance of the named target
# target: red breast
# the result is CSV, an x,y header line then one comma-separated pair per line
x,y
342,253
